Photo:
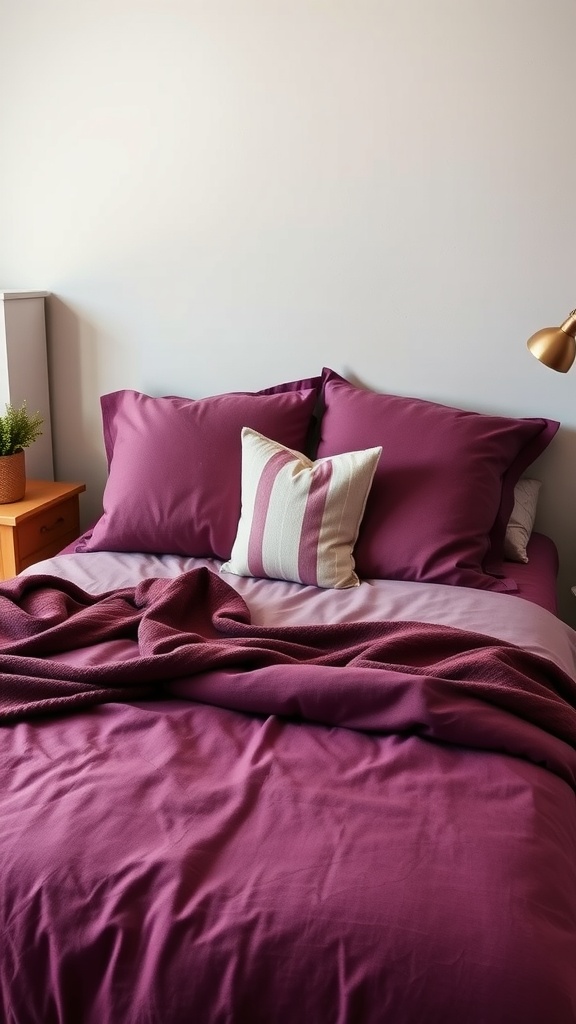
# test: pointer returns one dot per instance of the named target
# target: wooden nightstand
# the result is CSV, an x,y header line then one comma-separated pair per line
x,y
39,526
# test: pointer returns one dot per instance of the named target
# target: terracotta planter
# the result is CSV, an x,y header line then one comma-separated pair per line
x,y
12,477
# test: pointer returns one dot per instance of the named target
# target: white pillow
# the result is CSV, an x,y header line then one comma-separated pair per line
x,y
300,519
521,521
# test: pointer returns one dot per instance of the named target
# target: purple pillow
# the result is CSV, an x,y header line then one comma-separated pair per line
x,y
175,466
443,490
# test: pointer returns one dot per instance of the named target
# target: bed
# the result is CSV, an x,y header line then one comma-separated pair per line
x,y
231,795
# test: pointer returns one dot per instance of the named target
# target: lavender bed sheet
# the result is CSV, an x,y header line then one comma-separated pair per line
x,y
173,860
536,579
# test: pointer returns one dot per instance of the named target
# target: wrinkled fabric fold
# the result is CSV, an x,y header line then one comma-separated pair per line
x,y
193,638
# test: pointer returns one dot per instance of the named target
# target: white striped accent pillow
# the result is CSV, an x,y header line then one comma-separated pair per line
x,y
300,519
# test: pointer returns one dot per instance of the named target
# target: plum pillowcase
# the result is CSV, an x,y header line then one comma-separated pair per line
x,y
175,466
443,491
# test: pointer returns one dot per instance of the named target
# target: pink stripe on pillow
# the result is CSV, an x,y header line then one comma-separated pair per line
x,y
261,506
312,523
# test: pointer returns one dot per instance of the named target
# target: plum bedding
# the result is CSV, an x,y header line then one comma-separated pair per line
x,y
230,795
350,805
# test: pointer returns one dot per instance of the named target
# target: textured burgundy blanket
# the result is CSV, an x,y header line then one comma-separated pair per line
x,y
197,625
212,848
197,628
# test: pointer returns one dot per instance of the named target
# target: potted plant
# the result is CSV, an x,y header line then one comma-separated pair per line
x,y
18,430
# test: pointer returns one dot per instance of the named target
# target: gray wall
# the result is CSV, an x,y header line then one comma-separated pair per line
x,y
227,194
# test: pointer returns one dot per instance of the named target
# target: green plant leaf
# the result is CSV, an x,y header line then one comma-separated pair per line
x,y
19,429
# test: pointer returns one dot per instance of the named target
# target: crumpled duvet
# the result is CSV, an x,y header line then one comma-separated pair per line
x,y
351,823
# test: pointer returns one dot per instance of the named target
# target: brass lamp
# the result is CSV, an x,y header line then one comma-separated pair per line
x,y
556,346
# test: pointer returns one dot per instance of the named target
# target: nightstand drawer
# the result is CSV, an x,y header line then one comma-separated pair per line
x,y
48,528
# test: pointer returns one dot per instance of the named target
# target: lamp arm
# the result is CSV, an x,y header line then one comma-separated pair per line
x,y
569,325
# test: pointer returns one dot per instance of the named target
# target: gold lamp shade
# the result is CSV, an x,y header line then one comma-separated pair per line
x,y
556,346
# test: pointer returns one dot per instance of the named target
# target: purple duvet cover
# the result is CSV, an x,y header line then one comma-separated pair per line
x,y
204,820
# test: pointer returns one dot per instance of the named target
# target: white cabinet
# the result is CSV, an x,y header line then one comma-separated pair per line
x,y
24,370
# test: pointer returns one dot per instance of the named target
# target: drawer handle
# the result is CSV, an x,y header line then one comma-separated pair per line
x,y
46,529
